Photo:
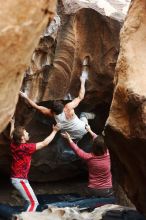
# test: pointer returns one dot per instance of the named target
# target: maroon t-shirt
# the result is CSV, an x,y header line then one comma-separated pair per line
x,y
21,161
99,168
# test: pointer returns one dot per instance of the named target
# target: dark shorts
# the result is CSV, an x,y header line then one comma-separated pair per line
x,y
100,192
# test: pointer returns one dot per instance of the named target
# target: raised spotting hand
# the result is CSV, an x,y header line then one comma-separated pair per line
x,y
23,94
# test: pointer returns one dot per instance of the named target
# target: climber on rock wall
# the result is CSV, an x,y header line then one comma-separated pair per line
x,y
65,115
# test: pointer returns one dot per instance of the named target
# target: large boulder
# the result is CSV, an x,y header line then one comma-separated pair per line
x,y
21,23
126,125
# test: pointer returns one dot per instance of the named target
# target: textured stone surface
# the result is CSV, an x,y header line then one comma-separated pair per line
x,y
114,9
73,44
77,37
126,125
21,23
70,45
85,33
105,212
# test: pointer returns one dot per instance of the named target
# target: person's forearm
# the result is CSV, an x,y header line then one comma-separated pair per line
x,y
32,103
73,145
94,135
12,127
49,138
82,154
46,141
82,90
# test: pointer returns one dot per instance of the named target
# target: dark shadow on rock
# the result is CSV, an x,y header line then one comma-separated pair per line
x,y
122,214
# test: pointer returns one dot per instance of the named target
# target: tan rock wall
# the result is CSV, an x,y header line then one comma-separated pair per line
x,y
126,125
85,33
21,23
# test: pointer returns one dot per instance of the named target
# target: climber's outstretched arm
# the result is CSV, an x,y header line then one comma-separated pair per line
x,y
41,109
73,104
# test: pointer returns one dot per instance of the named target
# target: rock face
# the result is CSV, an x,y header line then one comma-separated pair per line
x,y
73,44
108,212
126,125
21,23
54,72
113,9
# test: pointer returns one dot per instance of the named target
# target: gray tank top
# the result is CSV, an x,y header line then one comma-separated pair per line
x,y
75,127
